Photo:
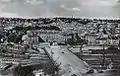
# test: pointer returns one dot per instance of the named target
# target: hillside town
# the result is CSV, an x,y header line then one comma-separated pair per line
x,y
38,47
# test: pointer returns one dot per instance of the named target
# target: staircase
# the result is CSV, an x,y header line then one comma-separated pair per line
x,y
103,60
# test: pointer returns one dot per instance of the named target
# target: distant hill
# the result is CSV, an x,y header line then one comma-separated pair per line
x,y
20,28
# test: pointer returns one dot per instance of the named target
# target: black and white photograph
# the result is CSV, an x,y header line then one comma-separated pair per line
x,y
59,37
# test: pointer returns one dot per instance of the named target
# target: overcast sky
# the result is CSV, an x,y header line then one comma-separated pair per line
x,y
81,8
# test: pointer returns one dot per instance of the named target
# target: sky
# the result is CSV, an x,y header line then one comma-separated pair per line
x,y
35,8
51,8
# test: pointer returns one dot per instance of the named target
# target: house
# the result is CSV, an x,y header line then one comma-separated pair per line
x,y
113,40
101,41
91,38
